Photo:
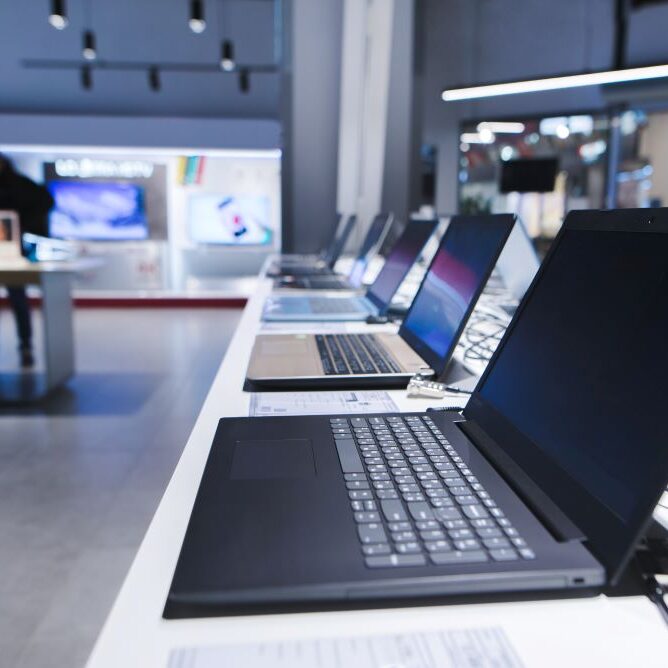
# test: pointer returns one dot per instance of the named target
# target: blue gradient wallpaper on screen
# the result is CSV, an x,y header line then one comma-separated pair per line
x,y
467,252
400,259
90,211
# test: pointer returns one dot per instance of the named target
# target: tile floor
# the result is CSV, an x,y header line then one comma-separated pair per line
x,y
82,473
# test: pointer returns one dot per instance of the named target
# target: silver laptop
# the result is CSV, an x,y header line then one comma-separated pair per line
x,y
426,339
378,297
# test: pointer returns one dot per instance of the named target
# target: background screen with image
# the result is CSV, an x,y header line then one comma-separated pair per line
x,y
229,220
94,211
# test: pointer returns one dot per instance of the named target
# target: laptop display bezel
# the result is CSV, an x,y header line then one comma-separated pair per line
x,y
437,363
526,454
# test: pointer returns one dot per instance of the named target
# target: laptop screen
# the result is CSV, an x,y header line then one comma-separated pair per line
x,y
581,377
460,268
399,261
371,241
340,240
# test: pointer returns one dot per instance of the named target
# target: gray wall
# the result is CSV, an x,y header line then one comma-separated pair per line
x,y
127,131
310,116
402,143
479,41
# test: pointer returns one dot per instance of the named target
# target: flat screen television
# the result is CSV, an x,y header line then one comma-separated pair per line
x,y
229,220
528,175
95,211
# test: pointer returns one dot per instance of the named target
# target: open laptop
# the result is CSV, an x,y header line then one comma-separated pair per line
x,y
546,482
296,265
373,239
426,339
378,297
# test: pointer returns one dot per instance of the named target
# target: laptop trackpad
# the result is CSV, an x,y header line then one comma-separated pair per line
x,y
266,459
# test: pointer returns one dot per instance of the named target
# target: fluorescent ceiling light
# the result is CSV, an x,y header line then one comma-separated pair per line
x,y
501,127
477,137
556,83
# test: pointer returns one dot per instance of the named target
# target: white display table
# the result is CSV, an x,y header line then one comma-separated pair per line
x,y
596,631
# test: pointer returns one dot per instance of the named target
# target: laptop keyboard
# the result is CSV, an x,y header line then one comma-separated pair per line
x,y
414,499
332,306
353,354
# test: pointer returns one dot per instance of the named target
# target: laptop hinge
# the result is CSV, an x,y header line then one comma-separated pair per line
x,y
556,522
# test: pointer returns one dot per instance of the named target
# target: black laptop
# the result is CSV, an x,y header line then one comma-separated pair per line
x,y
545,482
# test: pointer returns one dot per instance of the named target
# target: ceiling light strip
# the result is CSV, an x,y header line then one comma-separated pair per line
x,y
556,83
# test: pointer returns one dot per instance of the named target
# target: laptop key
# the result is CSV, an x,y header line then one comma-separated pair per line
x,y
466,500
455,524
359,495
357,484
399,526
372,533
483,523
445,514
489,532
432,534
404,537
527,553
467,544
459,534
474,512
438,546
379,548
393,510
348,457
493,543
408,548
365,517
420,511
504,554
387,561
350,477
458,557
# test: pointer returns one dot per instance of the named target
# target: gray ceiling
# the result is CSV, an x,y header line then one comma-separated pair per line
x,y
154,31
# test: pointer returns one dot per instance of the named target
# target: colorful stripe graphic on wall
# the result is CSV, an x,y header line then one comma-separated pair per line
x,y
190,169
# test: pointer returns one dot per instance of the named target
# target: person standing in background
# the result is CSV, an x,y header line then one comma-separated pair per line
x,y
32,203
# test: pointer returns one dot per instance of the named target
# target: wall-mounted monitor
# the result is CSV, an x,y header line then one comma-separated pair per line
x,y
96,211
528,175
229,220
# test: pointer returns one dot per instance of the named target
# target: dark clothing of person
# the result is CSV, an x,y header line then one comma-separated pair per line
x,y
18,300
32,203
